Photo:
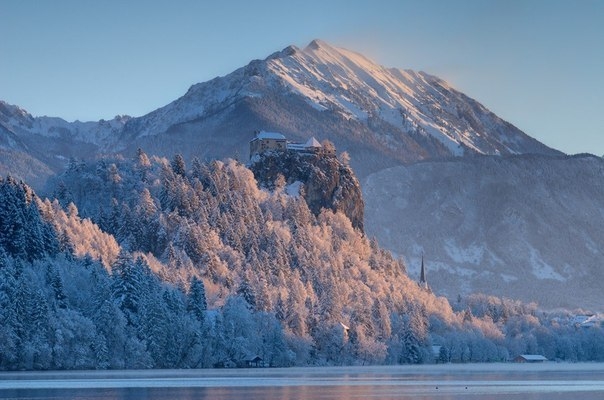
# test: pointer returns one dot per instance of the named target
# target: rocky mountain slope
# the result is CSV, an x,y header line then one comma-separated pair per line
x,y
35,148
383,117
527,227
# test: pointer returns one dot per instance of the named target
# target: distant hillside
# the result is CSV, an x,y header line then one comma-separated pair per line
x,y
527,227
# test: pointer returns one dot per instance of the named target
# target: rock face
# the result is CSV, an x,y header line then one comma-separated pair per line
x,y
321,179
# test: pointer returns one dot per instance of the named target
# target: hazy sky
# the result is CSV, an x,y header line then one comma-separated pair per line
x,y
537,64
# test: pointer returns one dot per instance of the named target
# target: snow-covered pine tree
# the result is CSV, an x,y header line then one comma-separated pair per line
x,y
196,299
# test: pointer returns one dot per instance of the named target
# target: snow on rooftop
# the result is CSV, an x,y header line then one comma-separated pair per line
x,y
312,142
270,135
533,357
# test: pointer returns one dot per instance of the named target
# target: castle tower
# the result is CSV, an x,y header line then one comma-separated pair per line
x,y
267,141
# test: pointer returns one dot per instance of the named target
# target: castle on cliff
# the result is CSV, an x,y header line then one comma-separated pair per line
x,y
273,141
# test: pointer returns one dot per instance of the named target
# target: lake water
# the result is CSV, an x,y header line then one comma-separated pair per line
x,y
445,382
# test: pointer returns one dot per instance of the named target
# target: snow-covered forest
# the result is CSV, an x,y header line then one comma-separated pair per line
x,y
151,263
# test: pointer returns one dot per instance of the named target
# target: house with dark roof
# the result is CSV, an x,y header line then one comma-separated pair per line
x,y
530,358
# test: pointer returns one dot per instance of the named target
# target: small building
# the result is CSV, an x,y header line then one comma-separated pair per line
x,y
274,141
255,362
587,321
312,145
267,141
530,358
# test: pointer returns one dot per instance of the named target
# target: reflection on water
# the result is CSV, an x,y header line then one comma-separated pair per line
x,y
286,393
450,382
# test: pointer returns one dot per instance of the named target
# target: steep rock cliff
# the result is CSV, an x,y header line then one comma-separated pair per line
x,y
321,179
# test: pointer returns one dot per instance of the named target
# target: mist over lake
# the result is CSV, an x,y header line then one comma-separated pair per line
x,y
452,381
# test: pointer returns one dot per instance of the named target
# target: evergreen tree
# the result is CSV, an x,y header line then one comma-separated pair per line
x,y
11,328
23,233
128,286
178,165
247,293
196,299
53,279
142,165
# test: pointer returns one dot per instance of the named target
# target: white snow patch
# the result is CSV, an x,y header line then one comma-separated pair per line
x,y
591,245
508,278
433,266
541,269
455,270
472,254
293,189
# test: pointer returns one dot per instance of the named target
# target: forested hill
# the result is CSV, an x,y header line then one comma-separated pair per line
x,y
207,270
149,263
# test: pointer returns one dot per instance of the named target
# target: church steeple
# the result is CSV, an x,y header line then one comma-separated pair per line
x,y
422,275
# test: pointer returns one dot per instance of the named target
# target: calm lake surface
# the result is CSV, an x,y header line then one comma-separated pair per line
x,y
468,381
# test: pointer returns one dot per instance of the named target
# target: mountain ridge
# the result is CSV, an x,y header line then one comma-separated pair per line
x,y
382,116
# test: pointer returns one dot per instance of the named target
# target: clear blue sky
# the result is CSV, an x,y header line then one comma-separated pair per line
x,y
537,64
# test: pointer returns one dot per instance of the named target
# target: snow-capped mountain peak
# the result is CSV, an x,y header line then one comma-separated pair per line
x,y
399,108
335,79
101,133
13,115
